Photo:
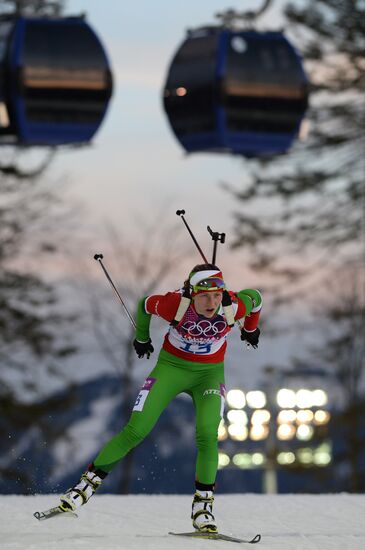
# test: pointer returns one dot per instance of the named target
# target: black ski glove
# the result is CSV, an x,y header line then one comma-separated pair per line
x,y
143,348
251,338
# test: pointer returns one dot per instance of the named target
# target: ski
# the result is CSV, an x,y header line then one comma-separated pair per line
x,y
217,536
53,512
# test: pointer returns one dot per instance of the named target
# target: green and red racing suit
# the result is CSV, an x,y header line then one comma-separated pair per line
x,y
191,361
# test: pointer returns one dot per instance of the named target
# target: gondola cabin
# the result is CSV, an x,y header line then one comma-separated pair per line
x,y
240,92
55,81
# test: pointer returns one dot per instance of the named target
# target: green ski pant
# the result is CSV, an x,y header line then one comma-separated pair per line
x,y
171,376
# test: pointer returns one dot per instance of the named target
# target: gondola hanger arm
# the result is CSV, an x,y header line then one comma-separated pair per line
x,y
230,16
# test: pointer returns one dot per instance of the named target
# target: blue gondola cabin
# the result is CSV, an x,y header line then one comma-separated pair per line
x,y
239,92
55,81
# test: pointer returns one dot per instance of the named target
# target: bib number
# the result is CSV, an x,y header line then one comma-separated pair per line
x,y
143,394
199,349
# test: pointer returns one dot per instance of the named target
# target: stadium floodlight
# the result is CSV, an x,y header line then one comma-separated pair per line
x,y
237,416
258,432
285,432
258,459
323,454
286,399
286,416
223,460
260,416
236,399
305,432
238,432
304,399
304,416
242,460
256,399
248,461
305,455
285,457
321,417
320,398
322,458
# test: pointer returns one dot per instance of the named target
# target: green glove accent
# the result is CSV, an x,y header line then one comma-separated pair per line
x,y
251,298
143,320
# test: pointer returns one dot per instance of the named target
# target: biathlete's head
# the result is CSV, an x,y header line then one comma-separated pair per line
x,y
207,285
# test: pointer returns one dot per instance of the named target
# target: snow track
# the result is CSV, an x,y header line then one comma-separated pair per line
x,y
141,522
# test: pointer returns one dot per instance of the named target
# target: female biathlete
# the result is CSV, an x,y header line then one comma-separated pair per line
x,y
191,361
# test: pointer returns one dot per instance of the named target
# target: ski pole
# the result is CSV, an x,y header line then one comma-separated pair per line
x,y
99,257
181,214
216,237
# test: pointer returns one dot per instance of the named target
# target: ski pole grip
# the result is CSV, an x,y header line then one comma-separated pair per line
x,y
180,212
98,257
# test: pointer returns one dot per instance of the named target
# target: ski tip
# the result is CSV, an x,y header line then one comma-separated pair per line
x,y
52,513
256,538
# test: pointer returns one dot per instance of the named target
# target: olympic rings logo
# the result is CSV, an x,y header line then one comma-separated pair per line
x,y
204,327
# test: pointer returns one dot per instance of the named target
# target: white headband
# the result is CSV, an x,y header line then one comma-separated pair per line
x,y
202,275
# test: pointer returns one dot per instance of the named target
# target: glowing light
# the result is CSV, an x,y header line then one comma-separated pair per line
x,y
285,432
258,459
325,446
242,460
286,458
320,398
222,431
261,416
223,460
322,458
323,454
305,432
321,417
259,432
237,417
286,398
238,432
286,416
236,399
304,399
304,416
246,460
256,399
181,91
305,456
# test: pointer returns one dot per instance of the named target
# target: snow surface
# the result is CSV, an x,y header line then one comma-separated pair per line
x,y
141,522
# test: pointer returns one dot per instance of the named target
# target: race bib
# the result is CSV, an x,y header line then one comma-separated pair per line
x,y
143,394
